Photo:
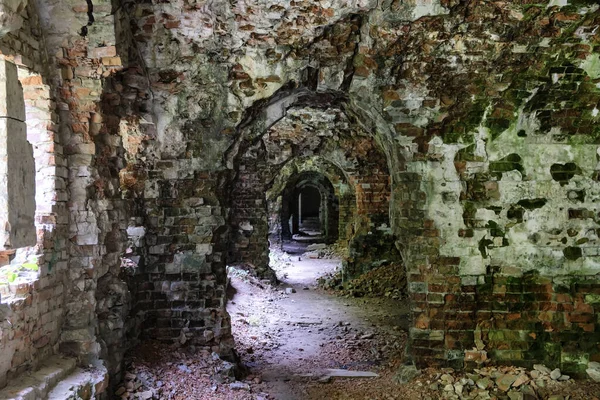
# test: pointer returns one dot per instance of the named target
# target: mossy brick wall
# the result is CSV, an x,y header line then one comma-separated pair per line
x,y
373,242
78,305
316,167
512,211
61,74
373,195
248,216
516,321
325,133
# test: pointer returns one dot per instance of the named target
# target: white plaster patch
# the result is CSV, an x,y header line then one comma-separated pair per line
x,y
560,3
428,7
545,42
591,65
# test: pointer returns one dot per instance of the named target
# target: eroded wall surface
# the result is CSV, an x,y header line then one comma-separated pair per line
x,y
475,106
482,117
77,305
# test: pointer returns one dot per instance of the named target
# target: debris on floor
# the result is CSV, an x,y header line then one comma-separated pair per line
x,y
159,371
505,382
593,371
384,281
288,342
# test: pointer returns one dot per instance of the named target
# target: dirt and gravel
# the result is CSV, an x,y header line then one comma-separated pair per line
x,y
293,337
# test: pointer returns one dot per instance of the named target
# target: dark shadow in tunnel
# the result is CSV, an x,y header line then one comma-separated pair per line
x,y
309,210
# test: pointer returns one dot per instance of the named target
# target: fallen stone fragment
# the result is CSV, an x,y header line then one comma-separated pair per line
x,y
473,377
484,383
145,395
540,383
542,368
306,323
406,373
521,379
514,395
458,388
593,371
226,372
344,373
484,395
367,336
529,391
555,374
290,290
504,382
239,386
446,378
467,382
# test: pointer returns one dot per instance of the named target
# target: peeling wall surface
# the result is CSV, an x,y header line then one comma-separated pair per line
x,y
460,136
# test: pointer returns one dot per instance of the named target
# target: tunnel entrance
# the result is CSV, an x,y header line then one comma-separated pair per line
x,y
309,210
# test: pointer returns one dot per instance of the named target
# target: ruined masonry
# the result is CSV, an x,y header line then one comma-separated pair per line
x,y
147,145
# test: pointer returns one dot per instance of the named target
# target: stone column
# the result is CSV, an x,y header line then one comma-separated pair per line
x,y
17,166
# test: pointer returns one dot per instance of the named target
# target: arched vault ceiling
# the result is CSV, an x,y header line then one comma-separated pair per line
x,y
305,131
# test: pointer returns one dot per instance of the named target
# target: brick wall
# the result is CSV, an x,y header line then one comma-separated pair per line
x,y
33,312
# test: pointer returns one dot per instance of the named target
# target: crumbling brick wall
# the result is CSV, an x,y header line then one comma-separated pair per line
x,y
478,118
32,311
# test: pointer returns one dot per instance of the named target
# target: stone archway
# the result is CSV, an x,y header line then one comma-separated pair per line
x,y
292,212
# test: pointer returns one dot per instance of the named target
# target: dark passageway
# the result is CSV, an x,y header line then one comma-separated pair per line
x,y
309,209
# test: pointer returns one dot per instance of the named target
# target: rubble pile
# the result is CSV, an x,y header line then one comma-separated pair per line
x,y
511,383
384,281
321,250
188,372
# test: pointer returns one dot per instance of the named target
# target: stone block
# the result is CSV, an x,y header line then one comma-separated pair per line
x,y
101,52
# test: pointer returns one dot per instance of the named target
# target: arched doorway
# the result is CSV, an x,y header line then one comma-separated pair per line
x,y
309,209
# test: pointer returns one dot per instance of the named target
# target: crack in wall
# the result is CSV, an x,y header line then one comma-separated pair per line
x,y
90,13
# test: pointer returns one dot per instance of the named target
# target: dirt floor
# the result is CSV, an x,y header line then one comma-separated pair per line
x,y
292,335
290,338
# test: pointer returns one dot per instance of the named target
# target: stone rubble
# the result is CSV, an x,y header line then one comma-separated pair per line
x,y
593,371
146,381
509,382
384,281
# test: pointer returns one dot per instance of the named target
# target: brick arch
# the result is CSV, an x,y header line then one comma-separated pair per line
x,y
334,175
330,202
373,190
